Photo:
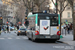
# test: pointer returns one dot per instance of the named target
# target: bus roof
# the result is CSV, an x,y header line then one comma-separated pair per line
x,y
42,14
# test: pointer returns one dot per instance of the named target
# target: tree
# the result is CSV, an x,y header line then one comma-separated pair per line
x,y
26,3
20,13
38,3
3,10
29,3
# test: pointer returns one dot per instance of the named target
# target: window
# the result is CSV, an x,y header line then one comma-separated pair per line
x,y
31,23
68,8
53,20
68,14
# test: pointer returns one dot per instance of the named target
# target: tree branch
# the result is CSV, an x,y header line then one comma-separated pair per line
x,y
55,5
64,7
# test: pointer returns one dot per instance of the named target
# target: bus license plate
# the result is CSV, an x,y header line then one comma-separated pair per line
x,y
47,37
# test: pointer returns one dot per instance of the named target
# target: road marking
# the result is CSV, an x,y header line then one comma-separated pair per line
x,y
9,38
2,38
17,38
24,37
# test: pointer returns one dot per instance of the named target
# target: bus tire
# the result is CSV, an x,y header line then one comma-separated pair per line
x,y
17,34
29,38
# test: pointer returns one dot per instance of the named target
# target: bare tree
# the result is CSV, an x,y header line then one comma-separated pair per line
x,y
20,13
38,3
3,10
28,3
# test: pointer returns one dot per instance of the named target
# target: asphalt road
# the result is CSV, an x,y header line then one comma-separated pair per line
x,y
10,41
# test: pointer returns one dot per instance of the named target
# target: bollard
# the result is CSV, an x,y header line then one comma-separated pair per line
x,y
65,32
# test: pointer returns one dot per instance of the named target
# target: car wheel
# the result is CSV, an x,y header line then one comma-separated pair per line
x,y
29,39
17,34
34,40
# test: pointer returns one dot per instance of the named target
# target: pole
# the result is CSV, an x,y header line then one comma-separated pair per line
x,y
65,31
32,6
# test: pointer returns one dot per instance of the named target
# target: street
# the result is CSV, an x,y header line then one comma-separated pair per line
x,y
10,41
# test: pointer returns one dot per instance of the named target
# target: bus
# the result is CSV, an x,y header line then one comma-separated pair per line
x,y
43,26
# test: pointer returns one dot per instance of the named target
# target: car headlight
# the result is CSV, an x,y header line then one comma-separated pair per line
x,y
19,31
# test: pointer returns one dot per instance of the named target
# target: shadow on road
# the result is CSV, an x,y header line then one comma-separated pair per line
x,y
47,41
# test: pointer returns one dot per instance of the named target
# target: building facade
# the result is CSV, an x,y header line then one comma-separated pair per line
x,y
67,13
10,17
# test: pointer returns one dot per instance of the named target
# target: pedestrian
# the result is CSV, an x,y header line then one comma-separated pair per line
x,y
70,26
4,29
8,28
17,27
68,29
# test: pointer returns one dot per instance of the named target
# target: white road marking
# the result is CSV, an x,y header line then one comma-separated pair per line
x,y
2,38
17,38
25,38
9,38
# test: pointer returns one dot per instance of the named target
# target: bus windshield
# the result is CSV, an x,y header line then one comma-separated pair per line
x,y
53,20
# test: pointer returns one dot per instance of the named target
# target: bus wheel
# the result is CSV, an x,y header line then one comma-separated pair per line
x,y
29,38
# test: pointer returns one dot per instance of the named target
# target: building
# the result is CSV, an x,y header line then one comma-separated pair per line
x,y
11,9
67,13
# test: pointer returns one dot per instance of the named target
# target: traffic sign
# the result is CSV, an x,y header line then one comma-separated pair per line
x,y
0,17
25,17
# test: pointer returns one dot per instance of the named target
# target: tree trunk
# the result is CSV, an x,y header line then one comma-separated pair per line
x,y
38,8
60,14
60,21
73,14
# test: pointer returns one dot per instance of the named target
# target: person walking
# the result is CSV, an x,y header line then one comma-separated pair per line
x,y
17,27
7,28
4,29
68,29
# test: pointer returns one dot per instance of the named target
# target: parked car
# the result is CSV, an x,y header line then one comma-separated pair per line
x,y
21,31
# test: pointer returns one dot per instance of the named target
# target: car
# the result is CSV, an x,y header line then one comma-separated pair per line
x,y
21,31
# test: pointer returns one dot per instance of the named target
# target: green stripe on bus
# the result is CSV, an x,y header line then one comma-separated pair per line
x,y
32,15
59,18
36,19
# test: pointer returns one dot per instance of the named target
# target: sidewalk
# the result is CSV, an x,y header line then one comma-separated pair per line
x,y
68,39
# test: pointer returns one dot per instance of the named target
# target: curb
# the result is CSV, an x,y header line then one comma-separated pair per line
x,y
65,43
62,42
